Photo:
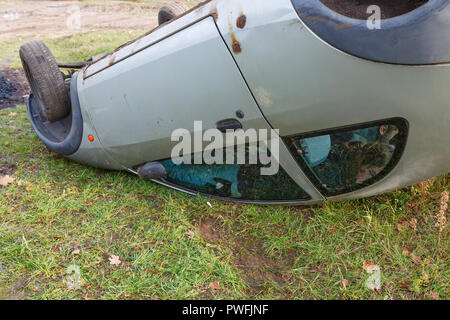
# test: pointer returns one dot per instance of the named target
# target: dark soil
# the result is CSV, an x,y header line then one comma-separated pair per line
x,y
358,8
248,255
13,88
7,169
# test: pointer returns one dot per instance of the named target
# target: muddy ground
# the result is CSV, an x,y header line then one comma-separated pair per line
x,y
13,88
43,19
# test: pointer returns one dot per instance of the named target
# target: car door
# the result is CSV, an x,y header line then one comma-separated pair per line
x,y
137,103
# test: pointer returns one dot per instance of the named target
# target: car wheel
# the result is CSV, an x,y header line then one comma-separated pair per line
x,y
171,11
46,81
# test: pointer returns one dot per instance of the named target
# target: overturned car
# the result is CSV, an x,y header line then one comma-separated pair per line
x,y
355,109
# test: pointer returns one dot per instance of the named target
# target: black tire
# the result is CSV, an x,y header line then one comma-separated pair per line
x,y
171,11
46,81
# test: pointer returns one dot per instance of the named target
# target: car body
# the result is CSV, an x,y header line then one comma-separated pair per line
x,y
325,81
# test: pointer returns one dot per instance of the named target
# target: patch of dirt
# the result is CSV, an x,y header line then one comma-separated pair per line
x,y
209,229
248,255
13,88
358,8
44,19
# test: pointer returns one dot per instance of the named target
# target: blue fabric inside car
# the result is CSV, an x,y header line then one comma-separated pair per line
x,y
316,149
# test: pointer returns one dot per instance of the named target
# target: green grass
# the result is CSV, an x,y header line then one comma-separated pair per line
x,y
78,47
167,240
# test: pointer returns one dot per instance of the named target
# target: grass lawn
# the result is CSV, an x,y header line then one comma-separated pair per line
x,y
57,214
133,239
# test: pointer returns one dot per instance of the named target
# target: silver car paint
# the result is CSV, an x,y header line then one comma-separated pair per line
x,y
319,87
300,83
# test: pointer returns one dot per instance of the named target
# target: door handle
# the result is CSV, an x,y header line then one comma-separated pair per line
x,y
228,124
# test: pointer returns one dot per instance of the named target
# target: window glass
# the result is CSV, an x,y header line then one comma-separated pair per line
x,y
237,181
348,159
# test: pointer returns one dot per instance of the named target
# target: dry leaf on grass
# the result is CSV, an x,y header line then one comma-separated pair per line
x,y
286,277
403,225
114,260
435,295
209,245
345,283
5,180
190,234
215,285
366,265
415,258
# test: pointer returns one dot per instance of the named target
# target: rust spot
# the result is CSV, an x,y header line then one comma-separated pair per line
x,y
235,44
214,14
339,26
112,60
241,21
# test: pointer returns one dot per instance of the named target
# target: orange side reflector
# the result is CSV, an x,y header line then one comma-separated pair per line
x,y
91,138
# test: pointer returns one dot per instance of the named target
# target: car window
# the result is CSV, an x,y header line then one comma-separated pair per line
x,y
243,182
344,160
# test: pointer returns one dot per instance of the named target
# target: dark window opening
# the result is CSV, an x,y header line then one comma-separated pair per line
x,y
357,9
347,159
236,181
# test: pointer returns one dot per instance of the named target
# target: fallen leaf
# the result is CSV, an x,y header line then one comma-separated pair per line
x,y
435,295
5,180
345,283
12,114
403,225
209,245
114,260
28,188
215,285
415,258
403,284
190,234
76,251
286,277
366,265
209,204
405,253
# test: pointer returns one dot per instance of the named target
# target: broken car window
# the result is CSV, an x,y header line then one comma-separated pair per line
x,y
346,160
243,182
